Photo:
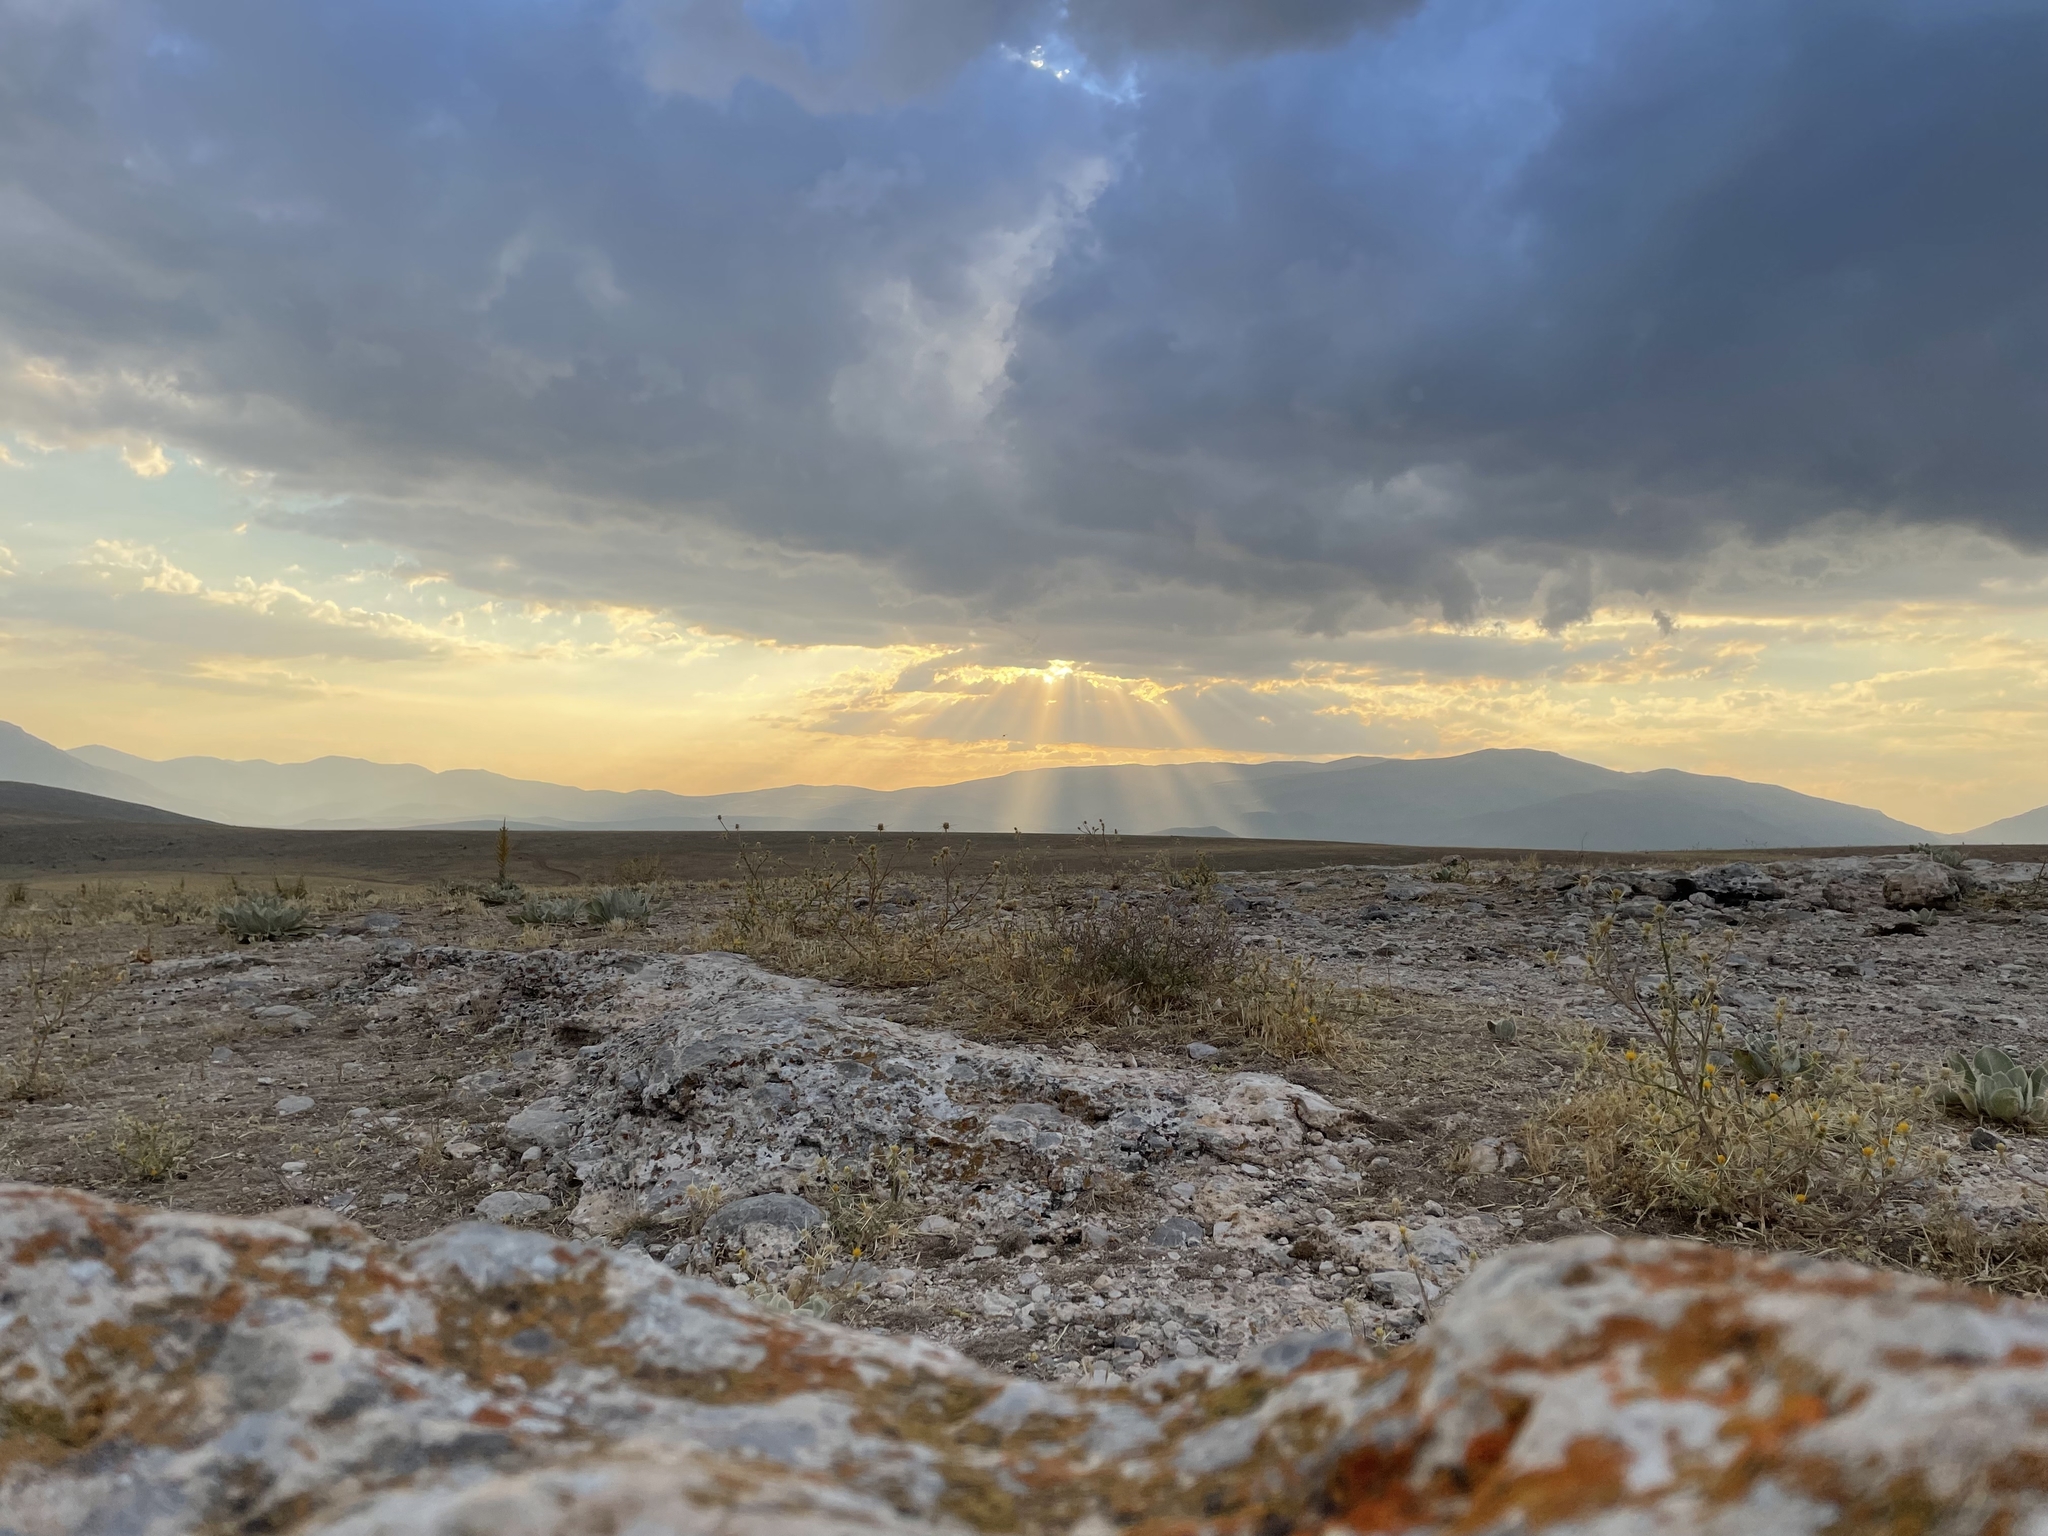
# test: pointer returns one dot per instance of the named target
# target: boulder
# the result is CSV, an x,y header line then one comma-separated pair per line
x,y
169,1372
1919,887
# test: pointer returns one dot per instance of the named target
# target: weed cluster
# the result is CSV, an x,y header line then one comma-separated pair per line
x,y
1005,949
50,1001
1759,1130
866,1202
151,1149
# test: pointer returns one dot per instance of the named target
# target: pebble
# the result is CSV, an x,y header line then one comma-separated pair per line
x,y
294,1104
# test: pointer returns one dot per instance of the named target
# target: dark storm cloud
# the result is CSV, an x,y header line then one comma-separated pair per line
x,y
1115,32
1297,302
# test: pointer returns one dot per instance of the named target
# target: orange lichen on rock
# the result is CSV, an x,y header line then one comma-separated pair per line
x,y
163,1372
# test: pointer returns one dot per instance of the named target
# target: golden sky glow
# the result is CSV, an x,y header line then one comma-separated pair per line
x,y
151,617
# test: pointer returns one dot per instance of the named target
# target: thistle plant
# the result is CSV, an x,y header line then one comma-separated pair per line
x,y
1758,1129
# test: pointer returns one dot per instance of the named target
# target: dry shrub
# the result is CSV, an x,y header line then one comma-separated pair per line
x,y
1004,951
1761,1130
151,1149
866,1202
167,908
49,1003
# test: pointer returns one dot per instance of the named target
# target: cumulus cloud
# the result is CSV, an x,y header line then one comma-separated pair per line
x,y
1341,307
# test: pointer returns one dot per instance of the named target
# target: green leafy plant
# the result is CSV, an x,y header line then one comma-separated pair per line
x,y
1760,1056
548,912
261,916
621,905
1992,1086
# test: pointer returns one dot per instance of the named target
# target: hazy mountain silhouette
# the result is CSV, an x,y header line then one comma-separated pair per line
x,y
1498,798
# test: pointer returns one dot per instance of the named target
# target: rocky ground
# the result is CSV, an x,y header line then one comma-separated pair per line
x,y
164,1373
1044,1206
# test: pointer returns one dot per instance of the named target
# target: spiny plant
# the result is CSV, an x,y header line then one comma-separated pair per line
x,y
1992,1086
261,916
504,848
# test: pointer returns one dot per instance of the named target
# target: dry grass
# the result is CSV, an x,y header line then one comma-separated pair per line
x,y
1150,960
1760,1138
50,998
1762,1130
151,1149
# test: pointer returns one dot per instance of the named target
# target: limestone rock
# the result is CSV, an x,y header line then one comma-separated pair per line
x,y
548,1123
763,1222
511,1204
1920,886
165,1373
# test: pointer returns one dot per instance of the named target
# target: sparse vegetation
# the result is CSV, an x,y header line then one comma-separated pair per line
x,y
262,916
50,998
1031,956
1990,1085
619,905
548,912
151,1149
165,909
866,1202
1781,1137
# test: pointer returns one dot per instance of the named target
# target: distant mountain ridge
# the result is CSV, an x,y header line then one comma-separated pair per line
x,y
1498,798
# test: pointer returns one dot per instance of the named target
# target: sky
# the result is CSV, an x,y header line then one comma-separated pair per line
x,y
699,394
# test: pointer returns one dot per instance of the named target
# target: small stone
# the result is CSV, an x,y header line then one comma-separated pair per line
x,y
510,1204
463,1151
393,1197
1394,1288
293,1168
294,1104
1432,1208
1095,1234
1984,1139
1202,1051
982,1251
763,1221
938,1226
362,1114
223,1057
530,1155
545,1122
1177,1232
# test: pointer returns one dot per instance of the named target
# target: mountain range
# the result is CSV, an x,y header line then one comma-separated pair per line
x,y
1498,798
